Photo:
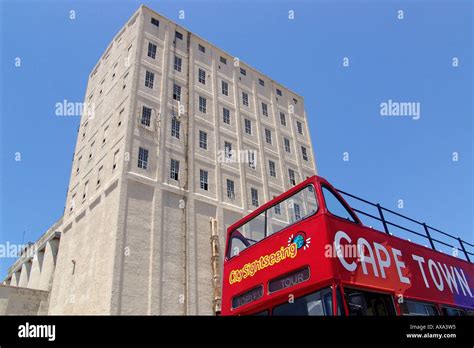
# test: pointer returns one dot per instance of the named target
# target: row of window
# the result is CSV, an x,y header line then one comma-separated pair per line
x,y
359,303
204,174
175,127
152,49
149,82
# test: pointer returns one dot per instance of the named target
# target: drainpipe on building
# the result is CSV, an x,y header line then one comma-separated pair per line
x,y
216,301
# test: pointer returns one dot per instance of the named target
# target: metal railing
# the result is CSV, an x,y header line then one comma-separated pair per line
x,y
427,229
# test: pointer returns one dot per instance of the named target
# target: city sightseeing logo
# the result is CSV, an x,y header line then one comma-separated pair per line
x,y
249,269
300,240
295,242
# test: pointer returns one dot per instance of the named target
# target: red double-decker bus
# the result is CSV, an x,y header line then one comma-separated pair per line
x,y
307,252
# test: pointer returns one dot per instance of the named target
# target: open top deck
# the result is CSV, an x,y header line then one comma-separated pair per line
x,y
309,238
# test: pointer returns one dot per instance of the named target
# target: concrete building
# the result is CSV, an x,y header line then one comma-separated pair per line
x,y
182,139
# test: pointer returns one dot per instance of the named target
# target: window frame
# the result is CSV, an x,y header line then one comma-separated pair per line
x,y
152,48
224,88
248,122
202,139
311,188
272,168
230,188
145,120
433,305
204,179
177,89
174,169
341,201
202,76
245,99
225,115
175,128
142,158
149,79
177,63
202,104
323,292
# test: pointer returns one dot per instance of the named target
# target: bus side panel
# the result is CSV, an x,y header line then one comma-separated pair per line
x,y
373,259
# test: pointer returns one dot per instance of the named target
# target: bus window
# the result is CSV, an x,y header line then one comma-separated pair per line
x,y
282,214
361,303
317,303
291,210
453,312
418,308
236,246
335,206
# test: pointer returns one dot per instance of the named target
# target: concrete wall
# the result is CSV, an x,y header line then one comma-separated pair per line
x,y
22,301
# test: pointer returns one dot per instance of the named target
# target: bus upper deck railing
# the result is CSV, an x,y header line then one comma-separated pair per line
x,y
426,228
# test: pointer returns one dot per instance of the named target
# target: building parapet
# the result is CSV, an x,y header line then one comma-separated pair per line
x,y
29,251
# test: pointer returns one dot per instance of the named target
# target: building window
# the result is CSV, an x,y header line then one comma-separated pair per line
x,y
177,92
202,76
114,163
291,176
245,99
78,164
223,60
203,140
120,116
155,22
268,136
225,115
84,193
252,162
261,82
177,63
151,50
73,201
304,153
201,48
230,189
225,88
175,127
248,126
277,208
149,78
297,211
278,92
299,126
174,169
84,130
254,194
202,104
106,130
287,145
271,166
203,179
178,35
265,109
282,119
91,150
228,149
146,116
243,71
142,158
99,174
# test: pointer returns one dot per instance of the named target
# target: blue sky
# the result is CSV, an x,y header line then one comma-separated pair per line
x,y
390,158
